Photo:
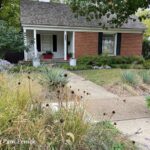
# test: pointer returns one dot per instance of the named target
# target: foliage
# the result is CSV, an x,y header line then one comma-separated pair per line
x,y
130,77
145,15
116,12
145,76
146,48
9,12
10,39
109,60
123,62
148,101
147,64
104,136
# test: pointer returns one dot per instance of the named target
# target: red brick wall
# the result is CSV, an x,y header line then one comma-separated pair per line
x,y
86,43
131,44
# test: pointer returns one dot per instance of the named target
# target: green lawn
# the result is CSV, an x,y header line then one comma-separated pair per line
x,y
102,77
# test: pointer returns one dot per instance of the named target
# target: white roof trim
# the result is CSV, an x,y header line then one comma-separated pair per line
x,y
79,29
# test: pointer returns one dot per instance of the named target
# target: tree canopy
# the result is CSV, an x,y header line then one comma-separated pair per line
x,y
9,12
145,14
117,11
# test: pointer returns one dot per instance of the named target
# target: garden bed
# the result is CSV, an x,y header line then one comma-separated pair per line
x,y
23,118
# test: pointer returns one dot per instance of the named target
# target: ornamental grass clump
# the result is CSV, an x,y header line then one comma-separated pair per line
x,y
130,78
145,76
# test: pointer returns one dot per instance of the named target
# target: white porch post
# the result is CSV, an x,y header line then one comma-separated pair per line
x,y
25,43
35,47
73,44
65,45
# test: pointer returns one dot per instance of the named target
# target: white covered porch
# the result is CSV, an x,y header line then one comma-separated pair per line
x,y
60,43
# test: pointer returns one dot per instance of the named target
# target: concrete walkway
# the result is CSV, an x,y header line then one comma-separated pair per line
x,y
130,113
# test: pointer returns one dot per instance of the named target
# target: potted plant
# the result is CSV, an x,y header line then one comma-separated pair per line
x,y
48,55
69,55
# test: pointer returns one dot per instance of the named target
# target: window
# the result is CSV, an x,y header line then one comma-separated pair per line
x,y
109,44
54,43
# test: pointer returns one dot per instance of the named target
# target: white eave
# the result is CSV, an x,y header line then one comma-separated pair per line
x,y
80,29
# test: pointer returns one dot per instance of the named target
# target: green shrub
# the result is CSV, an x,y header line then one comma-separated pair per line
x,y
145,75
146,49
109,60
148,101
146,64
130,77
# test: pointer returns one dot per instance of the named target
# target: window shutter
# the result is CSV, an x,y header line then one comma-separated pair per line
x,y
100,39
118,44
54,43
38,37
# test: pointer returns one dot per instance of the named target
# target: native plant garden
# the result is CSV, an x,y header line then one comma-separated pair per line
x,y
39,111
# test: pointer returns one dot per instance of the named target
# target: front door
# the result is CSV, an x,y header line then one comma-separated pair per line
x,y
47,44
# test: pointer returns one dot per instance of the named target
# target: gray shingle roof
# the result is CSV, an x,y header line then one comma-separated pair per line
x,y
55,14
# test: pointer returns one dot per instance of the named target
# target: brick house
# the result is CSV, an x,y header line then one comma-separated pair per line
x,y
53,27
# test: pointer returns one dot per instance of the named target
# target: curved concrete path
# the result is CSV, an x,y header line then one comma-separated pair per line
x,y
130,113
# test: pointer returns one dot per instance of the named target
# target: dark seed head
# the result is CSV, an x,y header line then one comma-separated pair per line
x,y
113,112
47,105
29,72
81,97
115,123
133,142
58,91
61,120
10,121
84,92
19,83
65,75
72,92
124,101
78,90
63,85
104,114
29,77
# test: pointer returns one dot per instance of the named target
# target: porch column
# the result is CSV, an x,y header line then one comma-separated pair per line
x,y
65,45
35,41
25,43
73,44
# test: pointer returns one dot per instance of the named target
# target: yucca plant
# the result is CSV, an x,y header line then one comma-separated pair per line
x,y
145,76
130,77
54,77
